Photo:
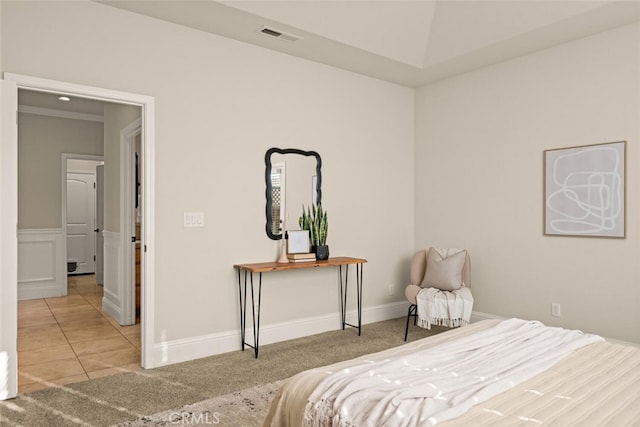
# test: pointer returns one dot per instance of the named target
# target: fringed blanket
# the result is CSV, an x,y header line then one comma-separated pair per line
x,y
444,308
441,382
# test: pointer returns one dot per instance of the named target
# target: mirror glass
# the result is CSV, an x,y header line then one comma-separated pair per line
x,y
293,179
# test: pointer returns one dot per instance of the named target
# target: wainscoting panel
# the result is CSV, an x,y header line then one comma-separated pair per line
x,y
112,300
42,267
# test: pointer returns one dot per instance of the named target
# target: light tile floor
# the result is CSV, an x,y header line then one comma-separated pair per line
x,y
69,339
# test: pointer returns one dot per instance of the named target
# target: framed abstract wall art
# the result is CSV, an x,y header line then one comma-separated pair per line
x,y
584,190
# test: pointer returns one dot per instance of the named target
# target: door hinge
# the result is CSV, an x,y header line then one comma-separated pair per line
x,y
145,248
133,239
94,258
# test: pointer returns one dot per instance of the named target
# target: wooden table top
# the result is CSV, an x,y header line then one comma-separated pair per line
x,y
261,267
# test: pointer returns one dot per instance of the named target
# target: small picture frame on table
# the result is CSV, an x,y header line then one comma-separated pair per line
x,y
298,241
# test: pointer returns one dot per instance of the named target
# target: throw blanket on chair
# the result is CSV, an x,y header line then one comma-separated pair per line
x,y
444,308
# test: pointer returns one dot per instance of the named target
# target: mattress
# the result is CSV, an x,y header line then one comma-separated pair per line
x,y
596,385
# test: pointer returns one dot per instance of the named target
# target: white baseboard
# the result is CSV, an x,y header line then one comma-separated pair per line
x,y
182,350
111,300
477,316
109,307
42,267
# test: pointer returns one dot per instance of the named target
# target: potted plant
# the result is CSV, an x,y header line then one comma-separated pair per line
x,y
315,220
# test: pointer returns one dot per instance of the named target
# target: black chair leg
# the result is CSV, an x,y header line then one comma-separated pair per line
x,y
412,312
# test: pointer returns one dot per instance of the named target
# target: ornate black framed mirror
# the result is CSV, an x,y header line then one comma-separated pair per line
x,y
293,178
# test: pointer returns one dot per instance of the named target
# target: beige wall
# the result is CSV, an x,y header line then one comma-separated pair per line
x,y
1,69
41,142
479,148
82,165
212,132
116,118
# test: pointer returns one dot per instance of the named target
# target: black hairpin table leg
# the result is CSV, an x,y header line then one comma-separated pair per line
x,y
343,296
255,310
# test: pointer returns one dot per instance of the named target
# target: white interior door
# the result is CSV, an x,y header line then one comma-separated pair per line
x,y
8,239
81,221
128,189
99,224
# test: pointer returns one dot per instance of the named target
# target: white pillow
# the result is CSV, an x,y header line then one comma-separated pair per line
x,y
444,272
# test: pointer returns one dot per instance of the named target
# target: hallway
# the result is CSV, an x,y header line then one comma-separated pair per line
x,y
68,339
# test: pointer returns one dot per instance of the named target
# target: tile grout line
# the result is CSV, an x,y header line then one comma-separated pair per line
x,y
116,327
108,319
44,300
67,338
74,290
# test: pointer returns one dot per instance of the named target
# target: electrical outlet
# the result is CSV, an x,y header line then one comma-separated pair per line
x,y
555,309
391,289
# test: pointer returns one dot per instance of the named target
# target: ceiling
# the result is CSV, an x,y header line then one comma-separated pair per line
x,y
407,42
50,101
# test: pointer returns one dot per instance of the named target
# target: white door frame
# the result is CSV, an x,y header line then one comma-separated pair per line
x,y
100,224
65,157
8,241
127,220
147,104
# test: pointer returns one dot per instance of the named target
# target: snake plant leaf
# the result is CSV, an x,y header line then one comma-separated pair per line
x,y
315,219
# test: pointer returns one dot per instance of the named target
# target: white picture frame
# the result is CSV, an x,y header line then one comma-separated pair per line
x,y
298,241
584,190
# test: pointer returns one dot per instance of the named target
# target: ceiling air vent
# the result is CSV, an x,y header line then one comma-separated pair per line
x,y
277,34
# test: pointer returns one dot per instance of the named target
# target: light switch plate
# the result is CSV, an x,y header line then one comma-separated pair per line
x,y
194,219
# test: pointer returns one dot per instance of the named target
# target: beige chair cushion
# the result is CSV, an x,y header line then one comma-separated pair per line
x,y
418,267
444,269
411,293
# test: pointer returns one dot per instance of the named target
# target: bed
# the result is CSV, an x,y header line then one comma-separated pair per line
x,y
578,379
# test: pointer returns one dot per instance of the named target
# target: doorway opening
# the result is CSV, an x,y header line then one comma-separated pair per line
x,y
83,213
145,105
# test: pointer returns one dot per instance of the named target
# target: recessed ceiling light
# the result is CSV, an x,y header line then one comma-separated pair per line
x,y
64,98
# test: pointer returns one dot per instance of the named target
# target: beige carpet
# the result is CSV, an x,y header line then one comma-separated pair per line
x,y
134,395
244,408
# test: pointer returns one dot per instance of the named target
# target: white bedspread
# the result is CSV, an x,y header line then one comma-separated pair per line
x,y
441,382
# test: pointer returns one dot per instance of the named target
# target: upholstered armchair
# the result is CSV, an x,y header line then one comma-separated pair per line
x,y
446,273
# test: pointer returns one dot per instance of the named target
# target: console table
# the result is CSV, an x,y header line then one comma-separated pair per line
x,y
265,267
